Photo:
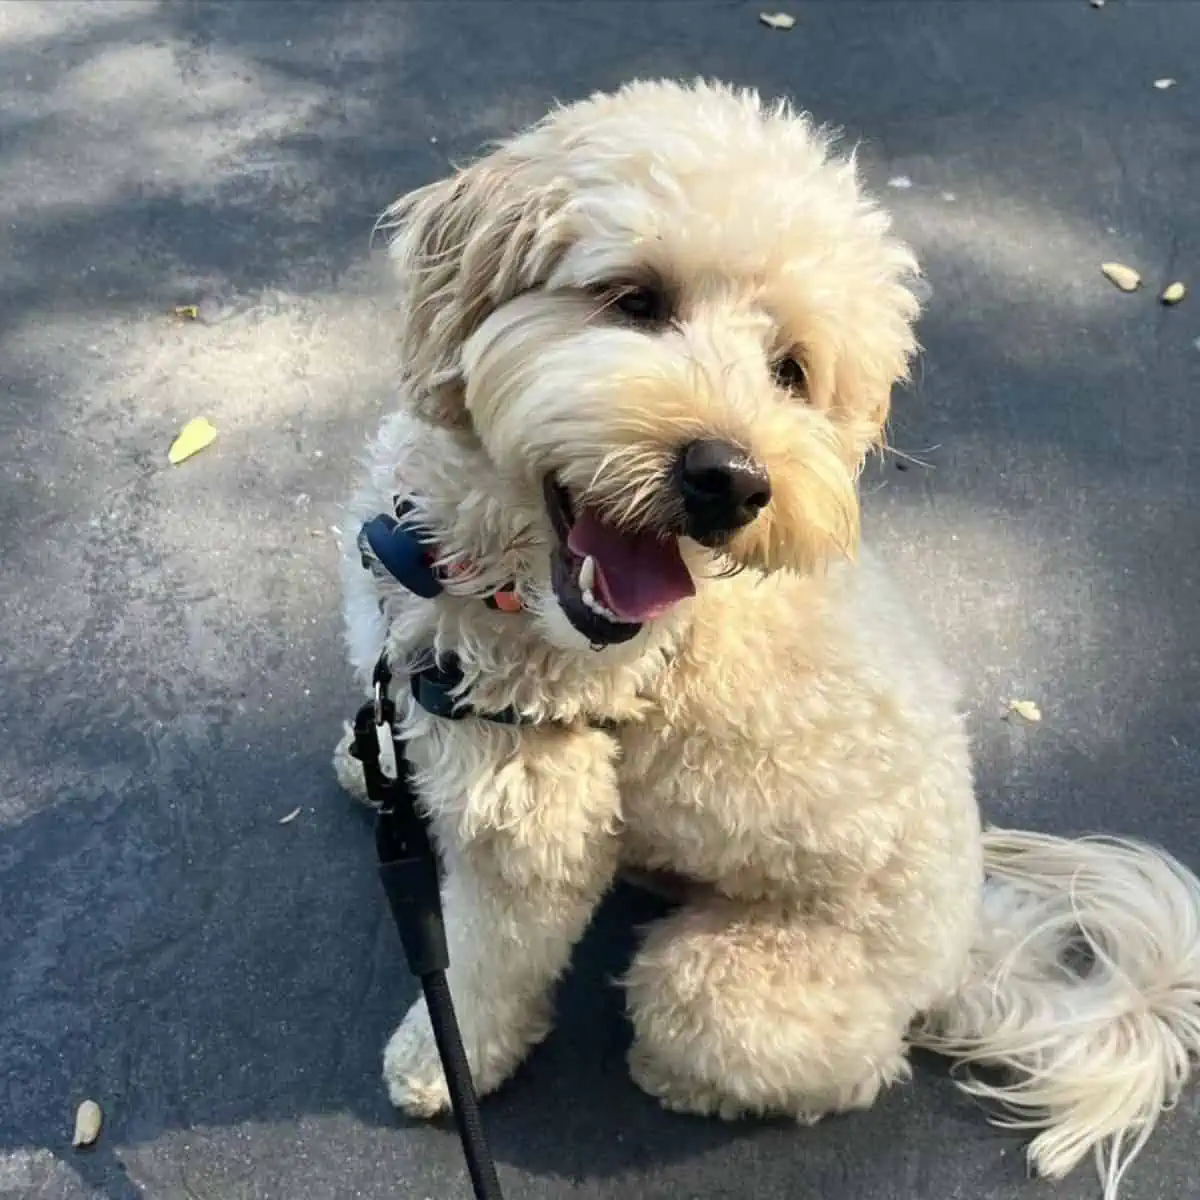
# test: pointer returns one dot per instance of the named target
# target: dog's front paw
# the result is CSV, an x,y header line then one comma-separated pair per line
x,y
412,1070
495,1037
348,769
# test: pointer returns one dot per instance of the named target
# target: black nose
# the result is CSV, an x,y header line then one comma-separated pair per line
x,y
723,488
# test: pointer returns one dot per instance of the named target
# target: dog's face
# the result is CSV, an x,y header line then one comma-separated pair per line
x,y
672,321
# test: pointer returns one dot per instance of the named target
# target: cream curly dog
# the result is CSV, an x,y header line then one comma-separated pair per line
x,y
648,344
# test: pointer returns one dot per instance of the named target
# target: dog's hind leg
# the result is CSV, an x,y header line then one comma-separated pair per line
x,y
527,824
753,1010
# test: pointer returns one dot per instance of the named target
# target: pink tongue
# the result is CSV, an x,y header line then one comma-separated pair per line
x,y
638,575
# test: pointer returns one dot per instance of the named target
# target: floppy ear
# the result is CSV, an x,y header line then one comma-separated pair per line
x,y
462,247
876,357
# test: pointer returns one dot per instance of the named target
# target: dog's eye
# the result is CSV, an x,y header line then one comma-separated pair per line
x,y
642,305
789,373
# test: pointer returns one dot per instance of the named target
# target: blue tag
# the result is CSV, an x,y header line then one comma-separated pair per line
x,y
402,554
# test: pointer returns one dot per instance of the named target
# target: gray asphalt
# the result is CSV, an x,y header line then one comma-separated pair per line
x,y
173,682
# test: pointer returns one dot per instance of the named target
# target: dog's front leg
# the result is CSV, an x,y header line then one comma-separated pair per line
x,y
527,821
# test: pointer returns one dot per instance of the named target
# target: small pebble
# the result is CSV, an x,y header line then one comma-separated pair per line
x,y
902,182
1126,278
1173,293
88,1120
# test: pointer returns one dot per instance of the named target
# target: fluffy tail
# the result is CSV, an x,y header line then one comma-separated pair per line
x,y
1084,990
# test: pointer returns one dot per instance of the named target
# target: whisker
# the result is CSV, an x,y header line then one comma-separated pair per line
x,y
912,458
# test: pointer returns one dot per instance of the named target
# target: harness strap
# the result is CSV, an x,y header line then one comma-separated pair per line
x,y
433,688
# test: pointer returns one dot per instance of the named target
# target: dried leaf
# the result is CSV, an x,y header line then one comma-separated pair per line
x,y
1026,709
1173,293
290,817
1164,83
777,20
88,1120
187,312
1126,278
193,437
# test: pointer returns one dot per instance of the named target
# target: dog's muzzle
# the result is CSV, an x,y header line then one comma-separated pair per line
x,y
722,487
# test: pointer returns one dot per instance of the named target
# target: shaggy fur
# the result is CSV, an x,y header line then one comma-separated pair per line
x,y
786,740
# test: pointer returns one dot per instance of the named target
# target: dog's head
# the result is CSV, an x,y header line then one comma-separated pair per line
x,y
671,320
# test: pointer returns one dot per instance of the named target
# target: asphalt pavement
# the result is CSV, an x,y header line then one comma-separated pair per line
x,y
186,193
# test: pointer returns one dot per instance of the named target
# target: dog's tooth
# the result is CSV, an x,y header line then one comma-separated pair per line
x,y
587,574
592,603
590,600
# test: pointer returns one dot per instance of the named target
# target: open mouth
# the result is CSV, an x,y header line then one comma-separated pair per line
x,y
610,581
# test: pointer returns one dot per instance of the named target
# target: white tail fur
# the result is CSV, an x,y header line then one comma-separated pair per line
x,y
1084,990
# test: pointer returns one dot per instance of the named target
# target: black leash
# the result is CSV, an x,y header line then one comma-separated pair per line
x,y
408,865
408,868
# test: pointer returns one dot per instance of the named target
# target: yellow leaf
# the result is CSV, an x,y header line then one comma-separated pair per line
x,y
777,20
1126,278
193,437
1173,293
88,1119
1027,709
187,312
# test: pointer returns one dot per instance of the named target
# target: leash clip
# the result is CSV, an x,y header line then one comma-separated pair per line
x,y
385,737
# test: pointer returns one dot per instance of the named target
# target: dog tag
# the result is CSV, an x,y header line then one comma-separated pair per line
x,y
402,553
387,751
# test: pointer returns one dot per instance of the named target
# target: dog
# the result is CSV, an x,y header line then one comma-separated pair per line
x,y
647,346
